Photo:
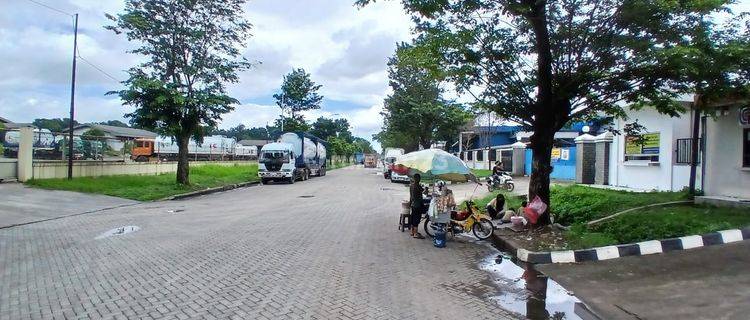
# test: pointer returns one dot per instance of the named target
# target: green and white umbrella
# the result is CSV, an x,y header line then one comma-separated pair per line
x,y
434,164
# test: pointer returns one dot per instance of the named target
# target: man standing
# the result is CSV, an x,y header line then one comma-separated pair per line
x,y
416,202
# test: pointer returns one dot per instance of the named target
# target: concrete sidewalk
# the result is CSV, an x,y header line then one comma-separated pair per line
x,y
21,204
704,283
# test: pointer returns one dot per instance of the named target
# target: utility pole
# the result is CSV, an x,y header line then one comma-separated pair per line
x,y
72,100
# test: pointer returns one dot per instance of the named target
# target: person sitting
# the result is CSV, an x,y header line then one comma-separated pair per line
x,y
445,201
496,206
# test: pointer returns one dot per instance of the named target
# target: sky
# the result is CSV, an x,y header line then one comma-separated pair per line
x,y
345,49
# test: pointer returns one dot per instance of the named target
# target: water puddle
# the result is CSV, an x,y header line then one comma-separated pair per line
x,y
118,231
528,292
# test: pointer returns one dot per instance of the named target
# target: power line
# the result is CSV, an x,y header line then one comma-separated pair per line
x,y
97,68
49,7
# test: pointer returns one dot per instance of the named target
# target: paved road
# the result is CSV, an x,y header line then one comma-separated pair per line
x,y
327,248
703,283
21,204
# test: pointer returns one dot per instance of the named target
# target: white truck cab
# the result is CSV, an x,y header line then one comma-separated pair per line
x,y
276,162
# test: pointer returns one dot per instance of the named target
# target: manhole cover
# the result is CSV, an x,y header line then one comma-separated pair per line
x,y
119,231
306,196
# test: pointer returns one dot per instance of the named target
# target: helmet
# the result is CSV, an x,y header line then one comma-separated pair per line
x,y
440,184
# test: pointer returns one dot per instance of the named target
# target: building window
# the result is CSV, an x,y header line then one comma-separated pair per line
x,y
685,151
746,148
493,155
480,155
469,155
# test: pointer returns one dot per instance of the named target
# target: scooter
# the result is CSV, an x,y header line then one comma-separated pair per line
x,y
503,181
464,221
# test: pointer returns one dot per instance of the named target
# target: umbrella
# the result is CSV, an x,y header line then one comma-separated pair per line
x,y
434,164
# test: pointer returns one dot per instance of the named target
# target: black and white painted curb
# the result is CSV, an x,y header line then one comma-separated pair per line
x,y
635,249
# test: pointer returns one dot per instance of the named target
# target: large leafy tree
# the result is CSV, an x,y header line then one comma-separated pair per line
x,y
544,63
326,128
362,145
191,49
54,125
416,114
713,64
298,93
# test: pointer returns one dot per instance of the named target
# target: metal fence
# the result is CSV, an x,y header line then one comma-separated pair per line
x,y
8,157
684,151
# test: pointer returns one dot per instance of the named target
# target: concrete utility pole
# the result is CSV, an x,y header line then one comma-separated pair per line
x,y
72,100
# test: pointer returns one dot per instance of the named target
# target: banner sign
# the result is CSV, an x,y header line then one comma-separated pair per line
x,y
650,144
565,154
556,153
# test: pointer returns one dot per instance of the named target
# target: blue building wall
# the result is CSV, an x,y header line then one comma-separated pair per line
x,y
501,135
561,169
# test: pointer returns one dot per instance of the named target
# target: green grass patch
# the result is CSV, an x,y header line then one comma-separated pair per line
x,y
338,165
578,204
658,223
481,173
153,187
511,201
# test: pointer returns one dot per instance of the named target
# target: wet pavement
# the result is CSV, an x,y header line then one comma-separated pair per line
x,y
327,248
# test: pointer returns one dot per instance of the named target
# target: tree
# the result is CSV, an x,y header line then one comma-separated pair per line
x,y
544,63
290,124
54,125
726,52
191,50
298,93
362,145
114,123
94,134
325,128
415,114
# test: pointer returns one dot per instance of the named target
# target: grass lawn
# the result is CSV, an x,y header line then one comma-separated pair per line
x,y
481,173
511,201
339,165
577,204
658,223
145,188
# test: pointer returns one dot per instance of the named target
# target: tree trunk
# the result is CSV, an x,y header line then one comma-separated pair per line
x,y
183,170
697,105
541,148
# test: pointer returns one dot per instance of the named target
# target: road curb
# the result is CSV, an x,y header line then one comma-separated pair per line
x,y
623,250
210,191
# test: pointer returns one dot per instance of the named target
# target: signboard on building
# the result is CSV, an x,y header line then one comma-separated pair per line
x,y
647,143
565,154
556,153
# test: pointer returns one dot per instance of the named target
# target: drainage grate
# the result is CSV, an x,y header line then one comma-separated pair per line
x,y
118,231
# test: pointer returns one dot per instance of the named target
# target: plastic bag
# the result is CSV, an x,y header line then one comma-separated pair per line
x,y
535,209
432,209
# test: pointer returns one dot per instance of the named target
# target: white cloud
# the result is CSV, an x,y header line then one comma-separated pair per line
x,y
344,48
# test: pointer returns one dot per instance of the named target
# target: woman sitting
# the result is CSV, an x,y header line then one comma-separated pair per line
x,y
496,206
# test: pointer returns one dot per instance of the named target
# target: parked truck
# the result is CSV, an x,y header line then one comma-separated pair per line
x,y
296,156
389,158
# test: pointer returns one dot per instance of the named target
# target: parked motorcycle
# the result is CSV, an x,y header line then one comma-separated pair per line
x,y
464,221
503,181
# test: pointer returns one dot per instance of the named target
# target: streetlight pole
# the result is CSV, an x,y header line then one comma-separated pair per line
x,y
72,101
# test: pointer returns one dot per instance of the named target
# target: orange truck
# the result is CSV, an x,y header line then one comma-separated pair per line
x,y
371,161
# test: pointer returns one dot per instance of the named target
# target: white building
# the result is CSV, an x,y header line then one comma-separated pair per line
x,y
661,161
727,165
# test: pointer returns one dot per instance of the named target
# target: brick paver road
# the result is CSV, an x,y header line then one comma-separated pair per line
x,y
327,248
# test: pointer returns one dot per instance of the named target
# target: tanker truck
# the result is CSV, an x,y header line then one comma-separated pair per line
x,y
295,156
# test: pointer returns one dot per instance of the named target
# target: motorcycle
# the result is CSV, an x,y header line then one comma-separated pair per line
x,y
464,221
503,181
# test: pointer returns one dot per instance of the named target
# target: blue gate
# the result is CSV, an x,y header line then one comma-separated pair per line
x,y
563,163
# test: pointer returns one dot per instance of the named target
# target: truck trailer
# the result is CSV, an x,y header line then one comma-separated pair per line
x,y
296,156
